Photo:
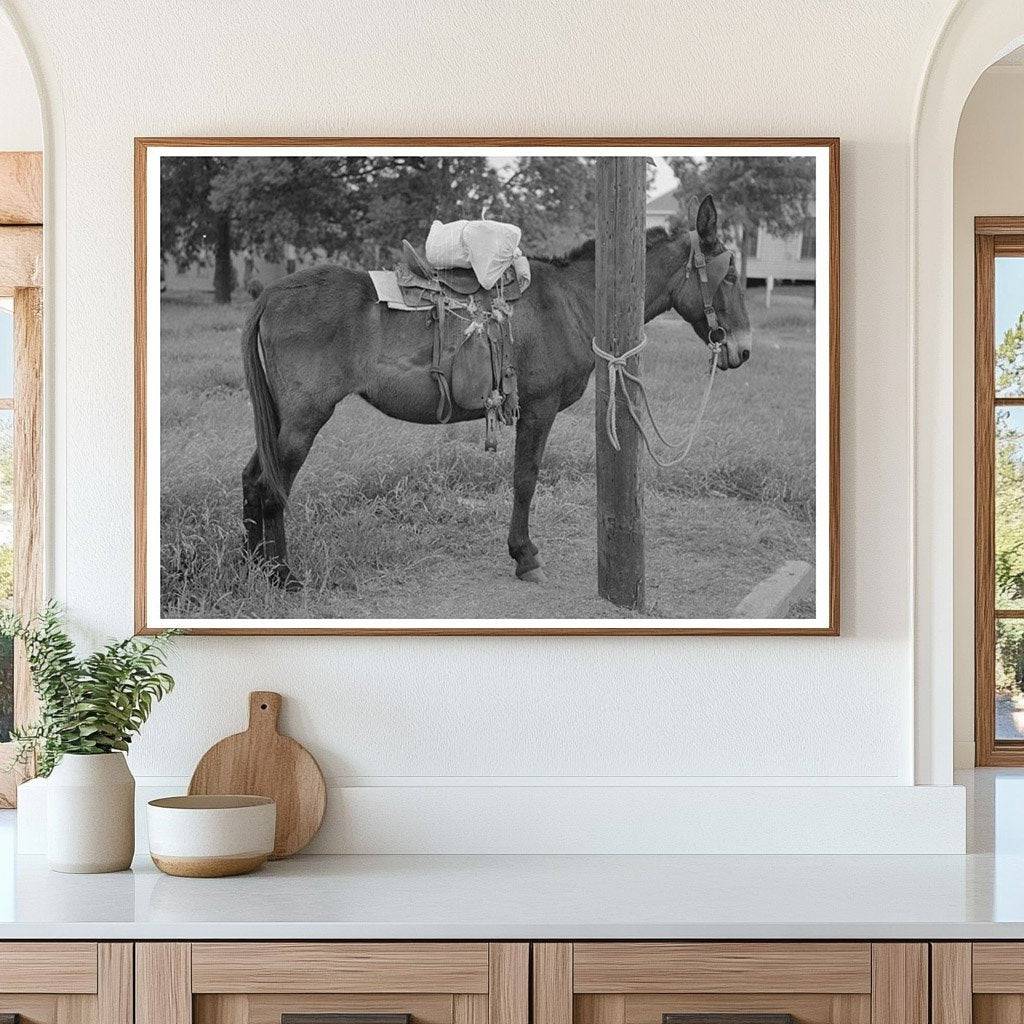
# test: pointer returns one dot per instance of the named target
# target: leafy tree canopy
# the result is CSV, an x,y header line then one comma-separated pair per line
x,y
751,190
357,209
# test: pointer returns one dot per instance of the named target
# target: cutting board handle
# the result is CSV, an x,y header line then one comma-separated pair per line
x,y
264,710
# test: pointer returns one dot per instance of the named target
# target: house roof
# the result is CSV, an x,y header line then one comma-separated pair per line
x,y
667,202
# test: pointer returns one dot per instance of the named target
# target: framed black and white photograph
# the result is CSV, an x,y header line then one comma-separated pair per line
x,y
493,386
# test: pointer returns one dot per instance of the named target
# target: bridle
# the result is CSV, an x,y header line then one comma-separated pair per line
x,y
721,264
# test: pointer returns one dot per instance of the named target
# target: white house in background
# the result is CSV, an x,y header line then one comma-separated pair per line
x,y
775,258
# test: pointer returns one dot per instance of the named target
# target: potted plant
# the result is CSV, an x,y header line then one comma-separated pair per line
x,y
89,710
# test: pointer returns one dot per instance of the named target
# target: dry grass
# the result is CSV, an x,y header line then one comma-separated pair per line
x,y
396,520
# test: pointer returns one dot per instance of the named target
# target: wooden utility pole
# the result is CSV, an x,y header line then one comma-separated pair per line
x,y
619,318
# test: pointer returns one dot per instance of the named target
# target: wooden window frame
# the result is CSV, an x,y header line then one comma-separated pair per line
x,y
993,236
21,272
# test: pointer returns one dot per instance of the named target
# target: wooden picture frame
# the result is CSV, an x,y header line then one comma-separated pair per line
x,y
149,620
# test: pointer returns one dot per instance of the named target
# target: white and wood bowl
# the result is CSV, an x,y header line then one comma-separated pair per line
x,y
211,836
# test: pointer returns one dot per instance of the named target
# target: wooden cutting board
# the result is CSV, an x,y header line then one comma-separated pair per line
x,y
262,762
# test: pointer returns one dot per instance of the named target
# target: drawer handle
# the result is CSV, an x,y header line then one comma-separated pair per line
x,y
728,1018
339,1018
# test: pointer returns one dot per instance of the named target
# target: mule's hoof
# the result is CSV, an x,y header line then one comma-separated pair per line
x,y
534,576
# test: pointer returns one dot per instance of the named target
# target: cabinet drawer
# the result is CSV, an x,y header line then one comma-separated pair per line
x,y
48,967
752,982
629,967
261,982
66,982
340,967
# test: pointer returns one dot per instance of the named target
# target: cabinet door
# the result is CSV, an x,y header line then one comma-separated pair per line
x,y
749,982
66,982
980,982
315,982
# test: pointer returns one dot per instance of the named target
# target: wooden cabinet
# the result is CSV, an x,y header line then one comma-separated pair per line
x,y
66,982
493,983
260,982
980,982
815,982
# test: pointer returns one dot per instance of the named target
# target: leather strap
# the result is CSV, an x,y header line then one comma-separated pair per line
x,y
699,262
444,401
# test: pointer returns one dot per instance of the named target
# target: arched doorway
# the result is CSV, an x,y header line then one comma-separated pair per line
x,y
976,34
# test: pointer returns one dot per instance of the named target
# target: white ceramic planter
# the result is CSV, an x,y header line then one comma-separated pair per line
x,y
90,814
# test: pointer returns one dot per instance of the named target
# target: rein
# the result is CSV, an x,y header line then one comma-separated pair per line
x,y
618,374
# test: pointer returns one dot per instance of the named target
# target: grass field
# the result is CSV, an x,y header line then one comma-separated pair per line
x,y
393,520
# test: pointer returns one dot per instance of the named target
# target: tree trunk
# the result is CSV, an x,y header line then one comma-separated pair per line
x,y
223,271
619,316
745,247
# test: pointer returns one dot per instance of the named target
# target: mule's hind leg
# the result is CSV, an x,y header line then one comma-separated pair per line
x,y
252,506
294,441
531,436
263,516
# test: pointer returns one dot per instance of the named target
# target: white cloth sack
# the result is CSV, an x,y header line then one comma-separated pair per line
x,y
488,246
446,247
492,245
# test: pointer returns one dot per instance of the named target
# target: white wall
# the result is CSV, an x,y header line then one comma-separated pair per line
x,y
21,125
988,180
446,712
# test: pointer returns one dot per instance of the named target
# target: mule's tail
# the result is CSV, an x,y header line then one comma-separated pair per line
x,y
265,414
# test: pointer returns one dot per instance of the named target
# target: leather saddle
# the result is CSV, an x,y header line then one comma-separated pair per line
x,y
463,282
473,358
456,279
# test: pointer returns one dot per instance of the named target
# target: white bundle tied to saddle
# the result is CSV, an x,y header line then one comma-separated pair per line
x,y
489,247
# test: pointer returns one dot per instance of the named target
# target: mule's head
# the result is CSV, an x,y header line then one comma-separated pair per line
x,y
727,324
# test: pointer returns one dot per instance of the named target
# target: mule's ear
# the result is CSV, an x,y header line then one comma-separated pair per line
x,y
707,221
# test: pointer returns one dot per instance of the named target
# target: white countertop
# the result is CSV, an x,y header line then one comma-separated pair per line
x,y
978,896
532,897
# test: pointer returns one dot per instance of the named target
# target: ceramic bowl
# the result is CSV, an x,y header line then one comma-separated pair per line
x,y
211,836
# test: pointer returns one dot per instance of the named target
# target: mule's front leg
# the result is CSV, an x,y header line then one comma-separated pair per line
x,y
531,435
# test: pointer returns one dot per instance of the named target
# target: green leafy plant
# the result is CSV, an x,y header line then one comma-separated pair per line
x,y
90,705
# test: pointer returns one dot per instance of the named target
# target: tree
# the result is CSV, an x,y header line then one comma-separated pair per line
x,y
189,224
1009,470
356,210
1010,360
750,191
554,201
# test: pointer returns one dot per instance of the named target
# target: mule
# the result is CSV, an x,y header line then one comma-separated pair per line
x,y
319,335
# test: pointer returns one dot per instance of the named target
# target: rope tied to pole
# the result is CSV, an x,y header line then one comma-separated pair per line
x,y
617,373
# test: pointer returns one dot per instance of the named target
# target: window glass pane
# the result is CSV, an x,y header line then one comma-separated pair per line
x,y
1009,679
1009,538
6,348
1009,326
6,567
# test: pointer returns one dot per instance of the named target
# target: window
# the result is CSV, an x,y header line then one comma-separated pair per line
x,y
999,490
21,366
751,241
6,510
